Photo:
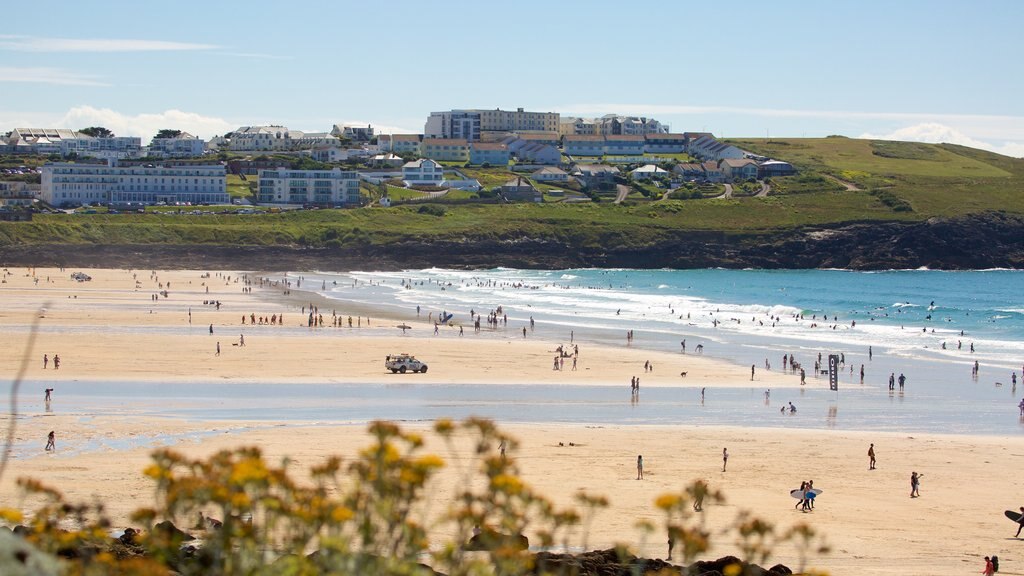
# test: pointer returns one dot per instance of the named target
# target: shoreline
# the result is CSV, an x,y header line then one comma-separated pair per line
x,y
113,331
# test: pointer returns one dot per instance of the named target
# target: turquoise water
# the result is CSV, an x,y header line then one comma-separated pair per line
x,y
741,316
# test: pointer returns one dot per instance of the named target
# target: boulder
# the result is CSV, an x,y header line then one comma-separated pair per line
x,y
491,540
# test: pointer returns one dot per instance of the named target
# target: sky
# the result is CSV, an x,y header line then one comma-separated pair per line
x,y
931,71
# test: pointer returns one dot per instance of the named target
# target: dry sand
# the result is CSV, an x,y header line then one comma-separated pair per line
x,y
113,331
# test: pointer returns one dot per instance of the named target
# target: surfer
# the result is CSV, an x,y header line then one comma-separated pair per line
x,y
871,457
1020,523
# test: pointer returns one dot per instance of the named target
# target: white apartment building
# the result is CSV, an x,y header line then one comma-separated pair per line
x,y
183,145
276,138
66,184
322,187
468,124
67,142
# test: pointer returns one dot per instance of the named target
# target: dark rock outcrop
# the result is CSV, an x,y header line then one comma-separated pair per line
x,y
977,241
489,540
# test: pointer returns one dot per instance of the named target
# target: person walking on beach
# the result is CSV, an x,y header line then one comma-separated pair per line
x,y
725,458
1021,406
751,372
990,568
870,352
915,484
50,442
892,381
56,361
48,391
211,328
903,380
46,360
803,495
218,349
871,457
639,467
803,377
241,339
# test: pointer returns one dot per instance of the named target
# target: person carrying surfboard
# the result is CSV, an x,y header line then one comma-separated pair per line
x,y
1020,522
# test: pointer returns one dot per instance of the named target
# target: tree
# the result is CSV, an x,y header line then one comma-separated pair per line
x,y
97,132
168,133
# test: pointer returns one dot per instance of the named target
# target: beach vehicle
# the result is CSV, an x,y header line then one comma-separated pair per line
x,y
404,363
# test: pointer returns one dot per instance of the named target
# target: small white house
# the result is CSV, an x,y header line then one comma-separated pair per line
x,y
551,174
648,172
423,172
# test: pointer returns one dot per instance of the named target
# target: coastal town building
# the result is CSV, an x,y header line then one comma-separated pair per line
x,y
707,147
537,153
400,143
423,172
624,145
583,145
488,153
469,124
611,124
277,139
550,174
445,149
597,176
773,168
738,169
664,143
649,172
17,194
68,184
520,189
184,145
69,142
335,187
352,132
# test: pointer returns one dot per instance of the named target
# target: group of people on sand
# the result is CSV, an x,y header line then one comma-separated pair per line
x,y
806,503
272,320
56,361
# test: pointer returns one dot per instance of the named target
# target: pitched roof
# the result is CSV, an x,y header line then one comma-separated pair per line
x,y
406,137
665,137
625,137
550,170
584,138
445,142
738,162
487,146
518,182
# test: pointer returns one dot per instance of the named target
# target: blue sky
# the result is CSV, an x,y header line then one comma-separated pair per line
x,y
930,71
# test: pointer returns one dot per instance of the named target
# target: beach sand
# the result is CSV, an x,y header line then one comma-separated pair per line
x,y
107,329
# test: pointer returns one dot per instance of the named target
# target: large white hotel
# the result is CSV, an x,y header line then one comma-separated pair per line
x,y
66,184
322,187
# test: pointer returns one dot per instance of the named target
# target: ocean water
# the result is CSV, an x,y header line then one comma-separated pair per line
x,y
920,323
740,316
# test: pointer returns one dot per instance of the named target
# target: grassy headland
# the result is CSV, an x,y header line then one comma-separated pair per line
x,y
841,182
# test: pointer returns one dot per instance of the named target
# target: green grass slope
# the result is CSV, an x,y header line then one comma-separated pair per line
x,y
892,181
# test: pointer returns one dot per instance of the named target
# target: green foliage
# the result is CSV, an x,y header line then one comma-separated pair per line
x,y
905,150
367,516
97,132
892,201
168,133
432,209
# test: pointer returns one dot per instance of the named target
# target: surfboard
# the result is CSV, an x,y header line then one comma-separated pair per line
x,y
799,494
1015,516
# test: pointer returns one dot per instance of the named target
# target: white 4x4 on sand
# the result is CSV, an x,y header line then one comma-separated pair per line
x,y
404,363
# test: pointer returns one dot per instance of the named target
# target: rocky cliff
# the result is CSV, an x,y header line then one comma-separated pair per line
x,y
990,240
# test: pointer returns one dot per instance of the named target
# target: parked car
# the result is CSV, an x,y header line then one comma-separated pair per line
x,y
404,363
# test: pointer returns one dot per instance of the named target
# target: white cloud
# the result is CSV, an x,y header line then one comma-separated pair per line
x,y
38,44
42,75
144,125
935,133
991,126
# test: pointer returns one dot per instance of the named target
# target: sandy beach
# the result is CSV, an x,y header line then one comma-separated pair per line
x,y
112,329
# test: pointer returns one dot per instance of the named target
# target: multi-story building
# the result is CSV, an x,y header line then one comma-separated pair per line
x,y
16,194
708,147
624,145
424,171
664,143
184,145
355,133
400,143
612,124
445,149
577,127
68,142
469,124
591,145
487,153
78,184
320,187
